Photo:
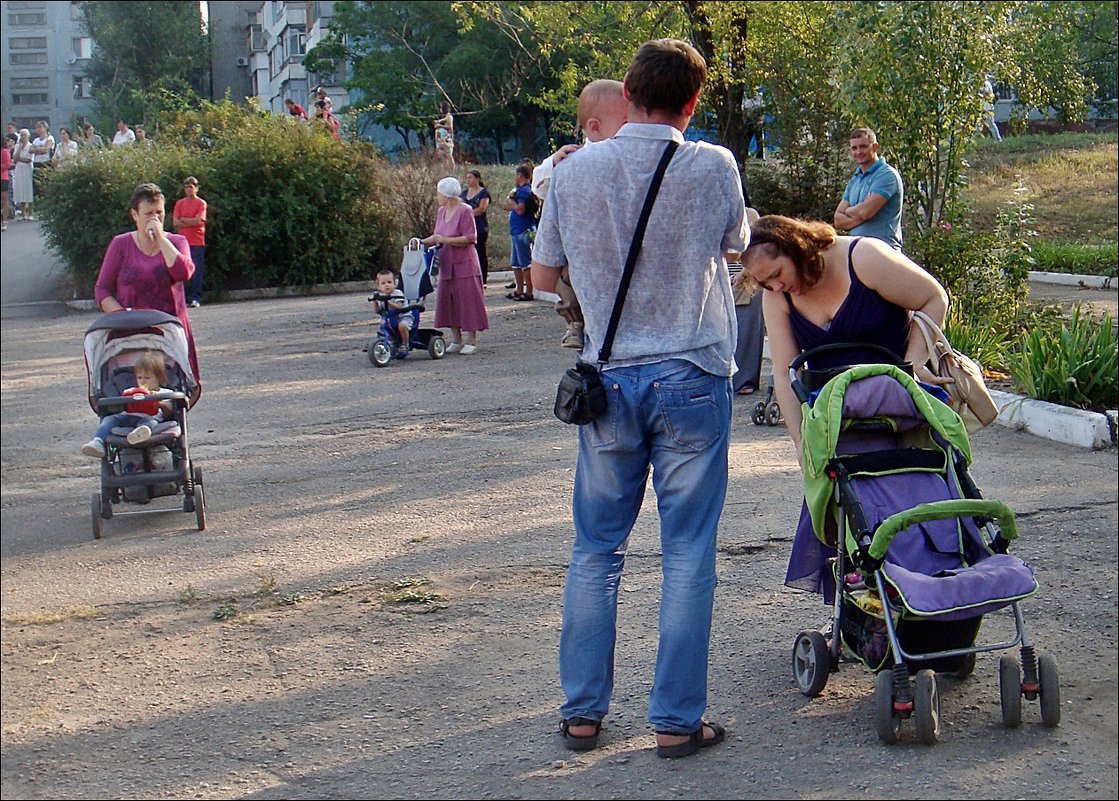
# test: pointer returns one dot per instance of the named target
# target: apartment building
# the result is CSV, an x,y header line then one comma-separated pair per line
x,y
44,54
258,49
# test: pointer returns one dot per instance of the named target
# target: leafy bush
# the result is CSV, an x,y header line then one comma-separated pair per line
x,y
288,205
1075,259
413,202
1073,364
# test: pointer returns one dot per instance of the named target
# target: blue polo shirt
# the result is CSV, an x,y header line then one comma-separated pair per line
x,y
884,180
519,223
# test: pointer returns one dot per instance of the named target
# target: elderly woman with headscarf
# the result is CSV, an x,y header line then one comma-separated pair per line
x,y
460,304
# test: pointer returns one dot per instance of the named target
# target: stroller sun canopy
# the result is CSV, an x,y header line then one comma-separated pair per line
x,y
138,329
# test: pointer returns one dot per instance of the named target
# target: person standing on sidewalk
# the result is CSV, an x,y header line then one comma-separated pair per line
x,y
189,219
667,384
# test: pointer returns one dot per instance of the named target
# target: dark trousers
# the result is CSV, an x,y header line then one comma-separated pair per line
x,y
483,259
198,256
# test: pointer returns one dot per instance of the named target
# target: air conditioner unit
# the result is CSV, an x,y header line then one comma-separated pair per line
x,y
242,62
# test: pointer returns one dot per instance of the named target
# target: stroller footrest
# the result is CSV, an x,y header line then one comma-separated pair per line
x,y
966,592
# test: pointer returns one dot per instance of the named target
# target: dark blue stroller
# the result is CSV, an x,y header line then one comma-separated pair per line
x,y
416,281
920,558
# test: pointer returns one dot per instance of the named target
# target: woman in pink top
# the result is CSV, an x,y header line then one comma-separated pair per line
x,y
460,304
5,176
147,268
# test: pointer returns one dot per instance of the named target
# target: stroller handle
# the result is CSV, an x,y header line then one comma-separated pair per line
x,y
939,510
122,401
802,391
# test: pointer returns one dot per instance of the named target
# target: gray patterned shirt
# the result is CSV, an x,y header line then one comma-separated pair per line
x,y
680,304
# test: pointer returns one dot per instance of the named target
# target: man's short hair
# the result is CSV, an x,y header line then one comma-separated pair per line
x,y
665,75
864,133
524,171
190,179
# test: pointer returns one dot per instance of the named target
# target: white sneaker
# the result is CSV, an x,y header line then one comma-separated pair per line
x,y
95,448
468,349
194,304
139,434
454,347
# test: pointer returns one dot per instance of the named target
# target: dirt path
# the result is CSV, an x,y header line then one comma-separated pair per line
x,y
388,549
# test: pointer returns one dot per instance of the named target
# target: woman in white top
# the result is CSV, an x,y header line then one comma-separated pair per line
x,y
124,135
66,149
23,189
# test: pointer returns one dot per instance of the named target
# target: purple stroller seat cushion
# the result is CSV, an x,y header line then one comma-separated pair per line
x,y
964,592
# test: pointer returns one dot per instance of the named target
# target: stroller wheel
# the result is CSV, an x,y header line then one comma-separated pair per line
x,y
926,707
436,347
811,662
1049,690
773,414
95,514
759,413
380,353
1010,691
886,721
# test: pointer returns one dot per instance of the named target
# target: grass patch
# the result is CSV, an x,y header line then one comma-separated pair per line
x,y
1073,259
61,616
409,591
1072,181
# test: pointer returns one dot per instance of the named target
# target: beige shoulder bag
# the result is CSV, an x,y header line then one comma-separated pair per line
x,y
969,395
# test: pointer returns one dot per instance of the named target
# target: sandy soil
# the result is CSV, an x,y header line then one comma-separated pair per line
x,y
387,548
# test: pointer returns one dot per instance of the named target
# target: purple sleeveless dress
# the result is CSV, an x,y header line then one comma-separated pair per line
x,y
864,316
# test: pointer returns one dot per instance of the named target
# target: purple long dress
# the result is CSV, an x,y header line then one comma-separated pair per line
x,y
459,302
865,316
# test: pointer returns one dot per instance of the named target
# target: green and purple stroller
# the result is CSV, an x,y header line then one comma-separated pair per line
x,y
919,556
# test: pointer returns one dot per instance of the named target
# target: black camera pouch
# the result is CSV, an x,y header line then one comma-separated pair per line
x,y
580,397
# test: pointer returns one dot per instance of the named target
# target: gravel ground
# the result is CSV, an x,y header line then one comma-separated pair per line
x,y
387,548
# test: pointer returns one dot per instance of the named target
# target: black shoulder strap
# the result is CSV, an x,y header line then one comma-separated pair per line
x,y
634,249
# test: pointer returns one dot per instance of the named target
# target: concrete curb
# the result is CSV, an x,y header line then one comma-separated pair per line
x,y
1086,281
1054,422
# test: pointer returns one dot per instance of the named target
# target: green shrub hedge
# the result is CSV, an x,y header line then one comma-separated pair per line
x,y
288,205
1054,257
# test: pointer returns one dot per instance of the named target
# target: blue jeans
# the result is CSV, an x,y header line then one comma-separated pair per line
x,y
198,256
674,417
122,420
522,248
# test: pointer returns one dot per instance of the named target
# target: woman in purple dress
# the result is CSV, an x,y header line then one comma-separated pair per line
x,y
147,268
822,288
459,304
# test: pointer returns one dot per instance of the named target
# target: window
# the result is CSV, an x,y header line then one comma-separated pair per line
x,y
27,19
256,38
29,43
82,87
30,99
296,42
20,5
39,82
82,46
28,58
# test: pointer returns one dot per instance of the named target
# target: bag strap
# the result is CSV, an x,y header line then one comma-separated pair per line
x,y
935,340
634,249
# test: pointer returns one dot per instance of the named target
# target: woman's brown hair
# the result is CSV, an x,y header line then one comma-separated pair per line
x,y
803,241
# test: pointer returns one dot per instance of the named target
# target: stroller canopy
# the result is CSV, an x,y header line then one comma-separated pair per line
x,y
137,329
877,393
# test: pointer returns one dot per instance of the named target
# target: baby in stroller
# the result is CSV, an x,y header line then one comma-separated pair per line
x,y
142,415
141,384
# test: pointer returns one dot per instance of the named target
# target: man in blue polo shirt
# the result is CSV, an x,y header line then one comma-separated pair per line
x,y
872,201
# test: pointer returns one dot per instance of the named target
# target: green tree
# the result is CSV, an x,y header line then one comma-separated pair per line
x,y
139,47
914,73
